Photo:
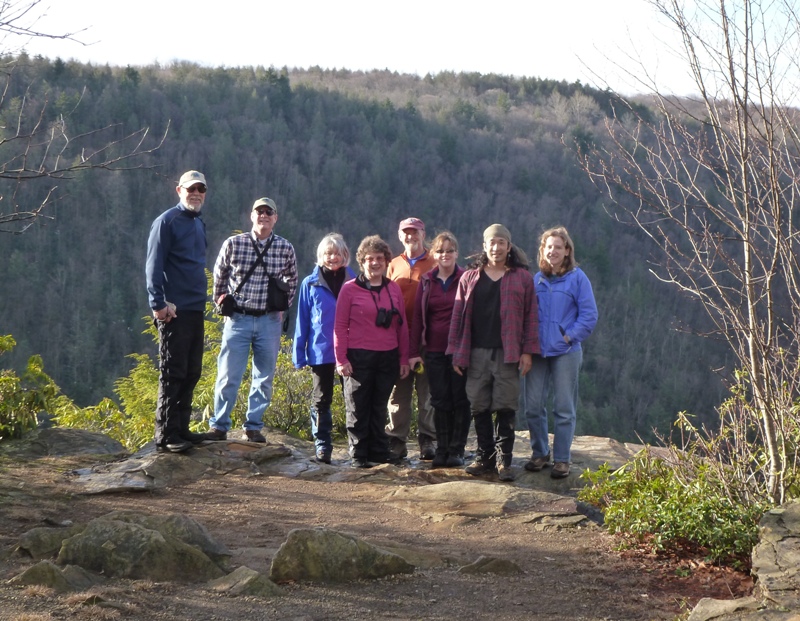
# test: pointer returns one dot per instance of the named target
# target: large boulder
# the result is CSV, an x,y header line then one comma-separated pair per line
x,y
180,527
322,555
123,549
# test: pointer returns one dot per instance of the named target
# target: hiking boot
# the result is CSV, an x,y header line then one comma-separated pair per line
x,y
454,461
560,470
504,473
439,460
479,467
359,463
397,451
215,435
254,435
323,456
426,450
535,464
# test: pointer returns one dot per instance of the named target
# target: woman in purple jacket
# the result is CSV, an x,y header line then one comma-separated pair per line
x,y
433,309
370,340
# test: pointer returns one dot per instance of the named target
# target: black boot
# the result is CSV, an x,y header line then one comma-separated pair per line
x,y
441,420
504,443
458,435
485,457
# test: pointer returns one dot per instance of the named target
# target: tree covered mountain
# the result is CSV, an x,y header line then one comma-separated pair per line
x,y
344,151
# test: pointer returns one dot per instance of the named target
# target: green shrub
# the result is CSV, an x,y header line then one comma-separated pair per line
x,y
21,398
677,505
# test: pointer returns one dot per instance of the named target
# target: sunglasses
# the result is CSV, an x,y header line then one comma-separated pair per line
x,y
266,210
196,188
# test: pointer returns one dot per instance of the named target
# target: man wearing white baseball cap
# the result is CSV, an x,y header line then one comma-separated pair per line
x,y
176,288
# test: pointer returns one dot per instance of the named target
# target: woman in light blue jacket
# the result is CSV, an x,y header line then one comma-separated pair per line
x,y
313,333
567,316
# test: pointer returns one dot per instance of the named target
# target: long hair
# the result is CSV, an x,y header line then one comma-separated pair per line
x,y
516,259
569,260
373,243
333,240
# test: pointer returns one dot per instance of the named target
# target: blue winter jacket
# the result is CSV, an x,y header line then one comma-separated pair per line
x,y
176,260
316,312
566,306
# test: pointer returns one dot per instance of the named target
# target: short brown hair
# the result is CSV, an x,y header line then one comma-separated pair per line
x,y
370,244
569,260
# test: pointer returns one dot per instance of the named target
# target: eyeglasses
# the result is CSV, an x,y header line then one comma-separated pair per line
x,y
449,251
196,188
266,211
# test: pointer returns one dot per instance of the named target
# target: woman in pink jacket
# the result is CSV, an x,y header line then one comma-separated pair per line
x,y
370,340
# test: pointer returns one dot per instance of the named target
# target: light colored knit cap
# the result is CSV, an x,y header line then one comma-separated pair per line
x,y
497,230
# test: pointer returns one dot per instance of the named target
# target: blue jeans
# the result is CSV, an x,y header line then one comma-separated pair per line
x,y
560,372
241,332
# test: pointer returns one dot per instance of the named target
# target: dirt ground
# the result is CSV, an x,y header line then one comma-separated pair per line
x,y
569,574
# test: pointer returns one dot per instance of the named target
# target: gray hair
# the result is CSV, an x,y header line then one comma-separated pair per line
x,y
337,241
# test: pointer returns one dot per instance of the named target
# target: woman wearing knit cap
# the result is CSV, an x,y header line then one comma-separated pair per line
x,y
493,335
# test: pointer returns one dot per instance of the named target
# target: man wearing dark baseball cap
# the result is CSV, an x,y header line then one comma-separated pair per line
x,y
407,270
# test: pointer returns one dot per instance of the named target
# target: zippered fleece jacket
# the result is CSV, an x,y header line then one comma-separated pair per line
x,y
316,312
519,323
566,306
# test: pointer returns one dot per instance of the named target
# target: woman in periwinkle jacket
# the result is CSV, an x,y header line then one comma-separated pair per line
x,y
567,316
313,333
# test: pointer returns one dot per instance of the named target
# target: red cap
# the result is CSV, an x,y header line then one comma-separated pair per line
x,y
411,223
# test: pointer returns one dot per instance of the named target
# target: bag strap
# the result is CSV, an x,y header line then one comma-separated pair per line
x,y
255,265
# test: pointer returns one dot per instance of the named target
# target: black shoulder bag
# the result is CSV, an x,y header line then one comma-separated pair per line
x,y
228,306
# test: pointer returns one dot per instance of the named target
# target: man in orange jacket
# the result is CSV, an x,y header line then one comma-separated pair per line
x,y
406,270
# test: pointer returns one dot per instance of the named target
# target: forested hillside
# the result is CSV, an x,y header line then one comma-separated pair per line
x,y
339,151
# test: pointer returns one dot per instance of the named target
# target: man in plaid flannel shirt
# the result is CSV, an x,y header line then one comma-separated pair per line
x,y
253,324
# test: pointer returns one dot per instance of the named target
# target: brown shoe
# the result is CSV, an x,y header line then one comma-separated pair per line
x,y
504,473
535,464
215,435
254,435
560,470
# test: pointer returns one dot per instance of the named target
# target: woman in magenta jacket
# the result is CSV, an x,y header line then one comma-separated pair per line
x,y
370,340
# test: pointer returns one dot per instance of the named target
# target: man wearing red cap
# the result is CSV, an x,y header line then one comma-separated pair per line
x,y
406,270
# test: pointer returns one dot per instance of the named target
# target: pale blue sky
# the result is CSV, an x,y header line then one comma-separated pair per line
x,y
564,40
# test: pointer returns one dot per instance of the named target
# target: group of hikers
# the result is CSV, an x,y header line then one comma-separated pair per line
x,y
475,344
